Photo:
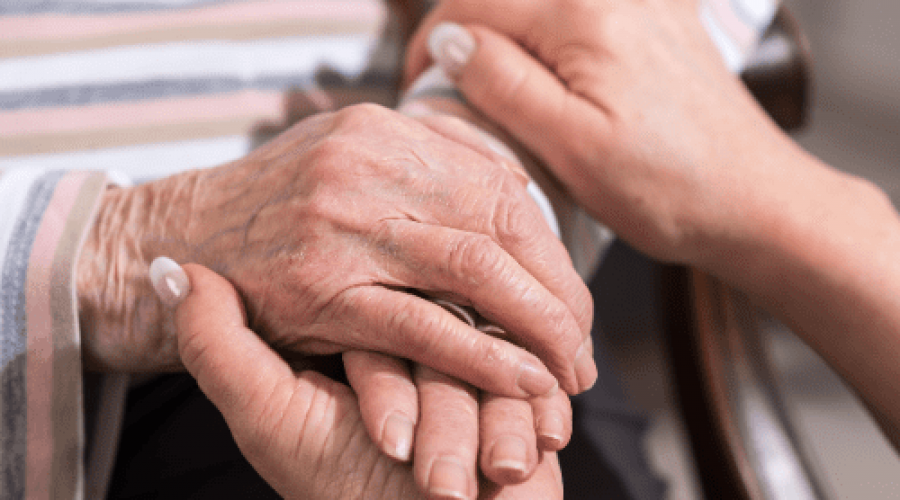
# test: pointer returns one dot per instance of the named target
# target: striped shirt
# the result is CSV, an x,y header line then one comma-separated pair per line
x,y
94,92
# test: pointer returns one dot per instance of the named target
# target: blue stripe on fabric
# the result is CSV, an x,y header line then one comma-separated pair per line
x,y
20,7
13,335
162,88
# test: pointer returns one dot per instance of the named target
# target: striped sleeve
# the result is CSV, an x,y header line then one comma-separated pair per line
x,y
46,215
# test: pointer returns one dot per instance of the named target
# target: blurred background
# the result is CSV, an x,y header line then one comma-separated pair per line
x,y
854,126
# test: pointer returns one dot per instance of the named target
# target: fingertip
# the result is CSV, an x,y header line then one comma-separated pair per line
x,y
508,460
552,421
585,366
551,432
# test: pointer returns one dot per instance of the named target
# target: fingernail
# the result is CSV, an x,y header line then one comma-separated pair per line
x,y
169,281
585,368
510,454
550,430
451,46
398,436
535,381
448,480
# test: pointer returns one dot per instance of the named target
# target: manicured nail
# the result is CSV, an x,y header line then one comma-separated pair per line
x,y
448,480
510,453
451,46
535,381
169,280
397,436
550,429
585,368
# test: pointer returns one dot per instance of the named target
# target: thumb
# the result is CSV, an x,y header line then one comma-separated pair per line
x,y
232,365
512,88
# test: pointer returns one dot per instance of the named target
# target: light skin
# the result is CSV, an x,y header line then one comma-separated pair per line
x,y
304,433
392,203
323,230
669,149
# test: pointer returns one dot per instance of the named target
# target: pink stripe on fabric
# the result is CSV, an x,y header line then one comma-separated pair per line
x,y
84,119
744,35
55,27
40,337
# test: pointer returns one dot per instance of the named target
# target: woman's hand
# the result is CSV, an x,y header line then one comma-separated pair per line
x,y
650,131
653,134
325,229
304,433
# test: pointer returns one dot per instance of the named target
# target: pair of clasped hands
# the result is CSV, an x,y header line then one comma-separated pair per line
x,y
383,204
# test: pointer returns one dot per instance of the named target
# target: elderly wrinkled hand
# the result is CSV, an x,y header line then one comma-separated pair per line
x,y
325,229
304,433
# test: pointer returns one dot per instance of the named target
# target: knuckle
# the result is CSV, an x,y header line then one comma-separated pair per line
x,y
361,116
558,319
513,223
327,150
428,326
494,354
474,259
507,92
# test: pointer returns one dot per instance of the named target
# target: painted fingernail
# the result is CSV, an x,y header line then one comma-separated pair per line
x,y
451,46
510,454
550,429
585,368
169,281
397,436
535,381
448,480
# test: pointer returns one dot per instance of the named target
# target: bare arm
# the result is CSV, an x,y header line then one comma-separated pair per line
x,y
661,142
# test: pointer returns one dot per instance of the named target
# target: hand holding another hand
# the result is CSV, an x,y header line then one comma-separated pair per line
x,y
652,133
304,433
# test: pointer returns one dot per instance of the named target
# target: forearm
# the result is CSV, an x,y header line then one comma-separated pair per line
x,y
824,258
123,324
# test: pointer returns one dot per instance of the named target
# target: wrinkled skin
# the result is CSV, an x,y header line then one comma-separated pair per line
x,y
323,229
303,432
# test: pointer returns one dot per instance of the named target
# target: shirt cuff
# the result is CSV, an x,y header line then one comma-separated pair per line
x,y
47,215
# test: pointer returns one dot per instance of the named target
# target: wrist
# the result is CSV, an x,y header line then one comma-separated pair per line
x,y
806,231
124,326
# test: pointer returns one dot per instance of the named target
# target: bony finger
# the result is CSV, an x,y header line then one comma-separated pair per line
x,y
472,266
414,328
447,439
509,451
388,400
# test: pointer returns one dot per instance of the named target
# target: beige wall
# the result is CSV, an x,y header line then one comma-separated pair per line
x,y
856,47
